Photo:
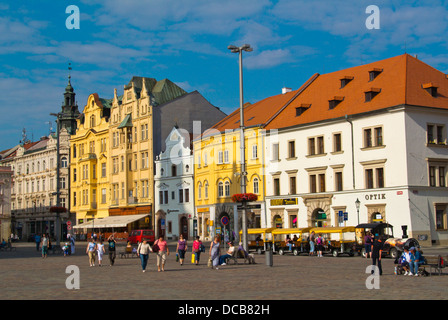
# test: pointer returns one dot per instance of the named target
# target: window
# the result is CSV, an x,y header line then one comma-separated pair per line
x,y
338,181
256,188
187,195
74,175
173,170
226,156
275,152
337,142
316,146
276,186
227,189
374,175
373,73
62,183
254,151
200,191
313,186
103,170
181,195
303,107
220,157
291,149
322,182
370,94
333,103
206,190
292,185
74,151
373,137
441,217
436,134
103,195
220,189
437,173
346,80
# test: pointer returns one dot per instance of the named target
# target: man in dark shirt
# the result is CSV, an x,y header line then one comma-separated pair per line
x,y
112,244
377,249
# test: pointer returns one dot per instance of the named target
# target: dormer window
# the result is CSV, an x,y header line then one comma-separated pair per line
x,y
373,73
371,93
345,80
335,101
303,107
431,88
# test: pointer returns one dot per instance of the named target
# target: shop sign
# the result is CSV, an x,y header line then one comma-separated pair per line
x,y
376,196
283,202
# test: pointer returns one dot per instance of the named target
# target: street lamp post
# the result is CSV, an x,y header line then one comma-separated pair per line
x,y
240,50
58,191
358,204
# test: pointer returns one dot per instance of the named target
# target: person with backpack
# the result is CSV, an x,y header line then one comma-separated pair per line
x,y
368,244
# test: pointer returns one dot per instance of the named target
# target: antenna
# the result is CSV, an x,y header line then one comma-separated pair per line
x,y
49,126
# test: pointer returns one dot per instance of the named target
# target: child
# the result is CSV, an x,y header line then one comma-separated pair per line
x,y
65,249
100,251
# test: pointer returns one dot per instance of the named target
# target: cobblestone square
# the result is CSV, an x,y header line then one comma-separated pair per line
x,y
27,276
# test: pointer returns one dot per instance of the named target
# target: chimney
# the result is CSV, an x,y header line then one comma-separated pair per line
x,y
286,90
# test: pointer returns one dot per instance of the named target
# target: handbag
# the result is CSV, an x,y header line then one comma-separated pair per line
x,y
155,248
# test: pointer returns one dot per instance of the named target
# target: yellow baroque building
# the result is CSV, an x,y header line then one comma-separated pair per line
x,y
89,185
218,177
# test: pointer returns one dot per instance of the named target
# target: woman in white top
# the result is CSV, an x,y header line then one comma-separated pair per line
x,y
90,250
143,252
100,251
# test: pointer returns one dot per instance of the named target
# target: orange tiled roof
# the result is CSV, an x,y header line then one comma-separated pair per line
x,y
259,113
399,80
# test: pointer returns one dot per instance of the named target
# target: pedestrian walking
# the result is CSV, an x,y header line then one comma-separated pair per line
x,y
377,250
100,251
320,245
112,252
162,253
44,243
143,251
37,238
312,243
215,252
197,246
90,250
181,249
368,244
72,244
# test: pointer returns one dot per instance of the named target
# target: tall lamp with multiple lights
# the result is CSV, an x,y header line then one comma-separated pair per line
x,y
240,50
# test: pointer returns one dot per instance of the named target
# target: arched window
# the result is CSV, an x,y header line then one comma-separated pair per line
x,y
206,190
92,121
200,190
220,189
227,189
256,190
64,162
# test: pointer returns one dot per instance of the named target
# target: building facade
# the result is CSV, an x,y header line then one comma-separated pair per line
x,y
89,167
5,203
33,189
174,187
373,135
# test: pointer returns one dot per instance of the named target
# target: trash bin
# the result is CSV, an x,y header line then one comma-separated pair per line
x,y
268,254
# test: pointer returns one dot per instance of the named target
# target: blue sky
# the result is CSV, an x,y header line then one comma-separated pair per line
x,y
186,41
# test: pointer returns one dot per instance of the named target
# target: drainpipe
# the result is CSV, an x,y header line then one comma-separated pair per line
x,y
353,150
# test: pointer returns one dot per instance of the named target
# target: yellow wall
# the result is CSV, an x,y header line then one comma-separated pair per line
x,y
89,151
214,172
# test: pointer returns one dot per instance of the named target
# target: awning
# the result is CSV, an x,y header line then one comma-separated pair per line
x,y
111,221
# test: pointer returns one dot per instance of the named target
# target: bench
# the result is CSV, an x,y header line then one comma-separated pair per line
x,y
128,254
8,247
433,262
240,255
